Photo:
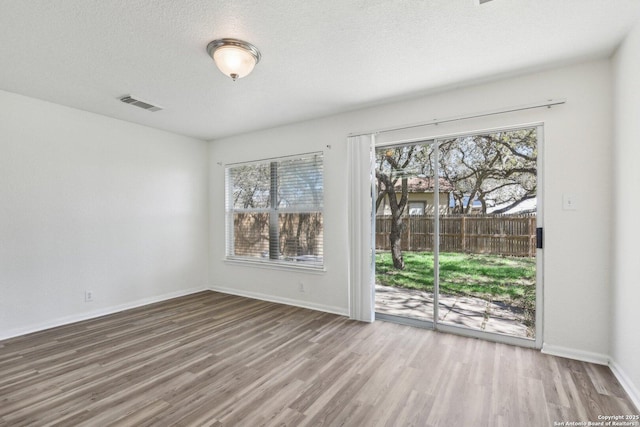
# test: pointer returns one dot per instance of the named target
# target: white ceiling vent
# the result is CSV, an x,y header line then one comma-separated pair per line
x,y
128,99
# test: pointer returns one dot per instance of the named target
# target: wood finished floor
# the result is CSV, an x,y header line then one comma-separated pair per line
x,y
221,360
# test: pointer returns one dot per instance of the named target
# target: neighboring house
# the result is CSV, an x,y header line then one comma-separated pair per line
x,y
420,197
476,205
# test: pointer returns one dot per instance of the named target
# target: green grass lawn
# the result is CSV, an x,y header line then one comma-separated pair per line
x,y
507,279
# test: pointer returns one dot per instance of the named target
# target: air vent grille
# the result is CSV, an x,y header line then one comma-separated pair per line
x,y
128,99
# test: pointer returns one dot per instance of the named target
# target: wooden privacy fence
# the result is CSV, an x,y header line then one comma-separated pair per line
x,y
508,235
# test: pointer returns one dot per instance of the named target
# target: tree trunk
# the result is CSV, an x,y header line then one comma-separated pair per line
x,y
395,240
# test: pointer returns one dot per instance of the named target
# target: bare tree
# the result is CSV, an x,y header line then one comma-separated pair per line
x,y
393,165
494,169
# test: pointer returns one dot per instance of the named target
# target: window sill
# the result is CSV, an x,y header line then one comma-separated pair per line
x,y
276,265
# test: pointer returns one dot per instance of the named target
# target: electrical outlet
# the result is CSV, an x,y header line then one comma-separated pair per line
x,y
88,296
301,287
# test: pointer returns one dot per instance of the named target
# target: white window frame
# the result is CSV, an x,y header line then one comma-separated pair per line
x,y
273,211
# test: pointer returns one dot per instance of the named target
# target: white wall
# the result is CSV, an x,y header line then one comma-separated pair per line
x,y
577,160
625,332
92,203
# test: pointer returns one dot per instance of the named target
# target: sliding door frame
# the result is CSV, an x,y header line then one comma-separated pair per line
x,y
462,330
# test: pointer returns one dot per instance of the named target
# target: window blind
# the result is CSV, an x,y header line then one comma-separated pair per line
x,y
274,210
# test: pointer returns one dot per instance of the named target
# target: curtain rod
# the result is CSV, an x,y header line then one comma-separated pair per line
x,y
549,103
291,156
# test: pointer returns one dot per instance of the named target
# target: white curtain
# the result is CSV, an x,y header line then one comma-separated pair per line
x,y
361,227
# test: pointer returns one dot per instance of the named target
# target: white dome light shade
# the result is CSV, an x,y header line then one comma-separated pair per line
x,y
235,58
234,61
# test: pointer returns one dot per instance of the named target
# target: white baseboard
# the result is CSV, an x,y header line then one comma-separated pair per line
x,y
600,359
281,300
572,353
96,313
626,383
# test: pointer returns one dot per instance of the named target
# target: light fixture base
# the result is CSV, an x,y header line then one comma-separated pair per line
x,y
212,46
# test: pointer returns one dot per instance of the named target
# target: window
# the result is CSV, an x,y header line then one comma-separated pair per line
x,y
274,211
416,208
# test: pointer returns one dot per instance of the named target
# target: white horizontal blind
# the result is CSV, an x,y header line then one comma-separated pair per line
x,y
274,210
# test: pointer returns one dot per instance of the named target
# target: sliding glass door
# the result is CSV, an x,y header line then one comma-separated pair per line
x,y
456,223
405,207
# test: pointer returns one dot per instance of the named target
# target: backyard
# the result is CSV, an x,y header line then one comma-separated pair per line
x,y
508,280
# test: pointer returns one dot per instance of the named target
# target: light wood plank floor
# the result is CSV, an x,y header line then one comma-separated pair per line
x,y
221,360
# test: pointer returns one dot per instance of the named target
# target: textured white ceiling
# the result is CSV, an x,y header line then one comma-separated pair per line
x,y
318,57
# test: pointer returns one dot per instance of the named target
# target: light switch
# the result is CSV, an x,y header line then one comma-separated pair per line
x,y
569,202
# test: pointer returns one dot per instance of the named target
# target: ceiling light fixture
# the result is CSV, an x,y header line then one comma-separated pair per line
x,y
235,58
